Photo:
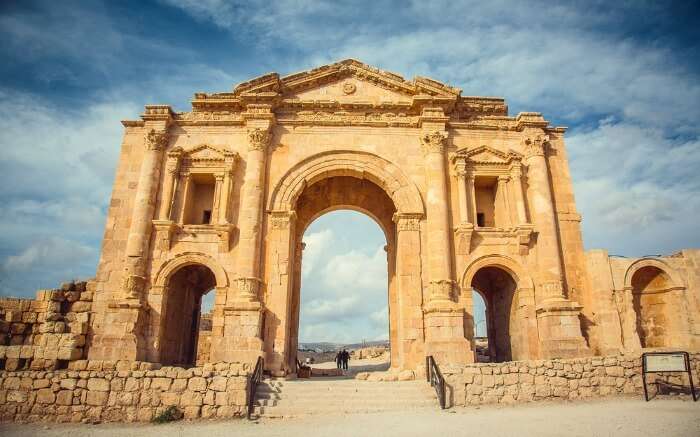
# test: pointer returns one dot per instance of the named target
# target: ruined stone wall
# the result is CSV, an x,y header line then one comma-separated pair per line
x,y
92,391
45,333
576,378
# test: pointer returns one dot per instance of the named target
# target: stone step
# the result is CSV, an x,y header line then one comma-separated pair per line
x,y
275,412
341,403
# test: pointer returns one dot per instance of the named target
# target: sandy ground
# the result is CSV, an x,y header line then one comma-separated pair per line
x,y
618,417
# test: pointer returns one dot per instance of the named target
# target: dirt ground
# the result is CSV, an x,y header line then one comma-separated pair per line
x,y
616,417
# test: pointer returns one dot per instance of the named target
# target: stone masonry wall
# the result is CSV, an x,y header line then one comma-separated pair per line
x,y
576,378
92,391
45,333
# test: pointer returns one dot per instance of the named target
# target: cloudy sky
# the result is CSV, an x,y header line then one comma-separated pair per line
x,y
622,75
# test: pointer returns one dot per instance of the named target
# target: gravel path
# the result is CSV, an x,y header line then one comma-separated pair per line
x,y
618,417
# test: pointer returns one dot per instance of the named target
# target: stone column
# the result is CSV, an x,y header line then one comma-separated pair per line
x,y
465,191
439,268
558,317
544,218
410,347
503,194
143,211
172,166
225,194
517,178
216,204
250,217
444,319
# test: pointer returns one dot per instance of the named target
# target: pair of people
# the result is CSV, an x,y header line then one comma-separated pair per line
x,y
342,358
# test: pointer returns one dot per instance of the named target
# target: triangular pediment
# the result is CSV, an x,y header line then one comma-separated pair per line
x,y
204,152
338,80
487,155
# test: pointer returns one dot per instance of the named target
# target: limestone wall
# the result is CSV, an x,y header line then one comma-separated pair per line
x,y
576,378
45,333
91,391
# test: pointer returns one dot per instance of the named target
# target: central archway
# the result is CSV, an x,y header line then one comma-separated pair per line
x,y
356,181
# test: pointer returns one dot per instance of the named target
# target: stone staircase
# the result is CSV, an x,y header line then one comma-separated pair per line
x,y
316,396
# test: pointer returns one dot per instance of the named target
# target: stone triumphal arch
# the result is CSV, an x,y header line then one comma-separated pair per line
x,y
216,200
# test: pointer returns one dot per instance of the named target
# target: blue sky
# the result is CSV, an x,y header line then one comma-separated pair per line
x,y
623,76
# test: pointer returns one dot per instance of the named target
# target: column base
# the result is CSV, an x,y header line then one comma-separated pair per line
x,y
444,332
560,329
242,339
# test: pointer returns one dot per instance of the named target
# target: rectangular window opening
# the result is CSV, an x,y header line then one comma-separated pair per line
x,y
485,196
199,199
206,217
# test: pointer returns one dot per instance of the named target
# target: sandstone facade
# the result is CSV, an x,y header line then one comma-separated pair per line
x,y
217,200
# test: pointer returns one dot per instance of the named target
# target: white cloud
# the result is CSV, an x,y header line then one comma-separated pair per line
x,y
316,244
51,253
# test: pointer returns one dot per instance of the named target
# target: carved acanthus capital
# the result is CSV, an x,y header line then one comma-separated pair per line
x,y
440,290
156,140
407,222
433,142
282,219
536,146
258,139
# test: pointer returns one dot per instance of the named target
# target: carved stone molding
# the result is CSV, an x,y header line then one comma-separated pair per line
x,y
407,222
282,219
156,140
433,142
258,139
440,289
133,285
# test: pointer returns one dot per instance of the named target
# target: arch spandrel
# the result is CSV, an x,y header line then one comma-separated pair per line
x,y
186,259
672,273
362,165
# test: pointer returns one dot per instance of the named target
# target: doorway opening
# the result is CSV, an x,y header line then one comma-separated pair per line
x,y
186,320
496,291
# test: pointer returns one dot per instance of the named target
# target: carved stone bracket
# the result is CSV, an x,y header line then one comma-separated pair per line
x,y
225,232
133,286
164,233
524,234
463,238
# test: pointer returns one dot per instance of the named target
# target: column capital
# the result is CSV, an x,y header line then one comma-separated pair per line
x,y
536,145
503,179
433,142
258,139
461,169
156,139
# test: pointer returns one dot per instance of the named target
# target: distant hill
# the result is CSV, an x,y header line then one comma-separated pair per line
x,y
330,347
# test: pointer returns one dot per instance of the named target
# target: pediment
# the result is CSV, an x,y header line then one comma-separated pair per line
x,y
487,155
337,80
204,152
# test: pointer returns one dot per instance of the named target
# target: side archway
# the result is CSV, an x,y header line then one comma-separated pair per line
x,y
508,293
190,258
673,275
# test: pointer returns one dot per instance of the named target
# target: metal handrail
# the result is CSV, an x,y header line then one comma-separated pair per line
x,y
253,381
434,377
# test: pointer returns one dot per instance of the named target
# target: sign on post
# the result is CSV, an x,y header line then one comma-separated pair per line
x,y
663,362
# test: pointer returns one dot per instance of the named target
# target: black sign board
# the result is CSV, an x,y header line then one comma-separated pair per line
x,y
664,362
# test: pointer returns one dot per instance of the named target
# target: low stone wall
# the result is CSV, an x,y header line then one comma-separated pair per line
x,y
92,391
576,378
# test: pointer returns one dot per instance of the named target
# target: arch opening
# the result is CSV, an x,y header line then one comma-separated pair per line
x,y
497,289
185,334
650,298
362,277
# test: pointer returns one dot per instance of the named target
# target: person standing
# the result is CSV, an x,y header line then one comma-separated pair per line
x,y
346,358
339,360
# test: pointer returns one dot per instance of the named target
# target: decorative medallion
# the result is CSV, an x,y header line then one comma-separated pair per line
x,y
349,88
